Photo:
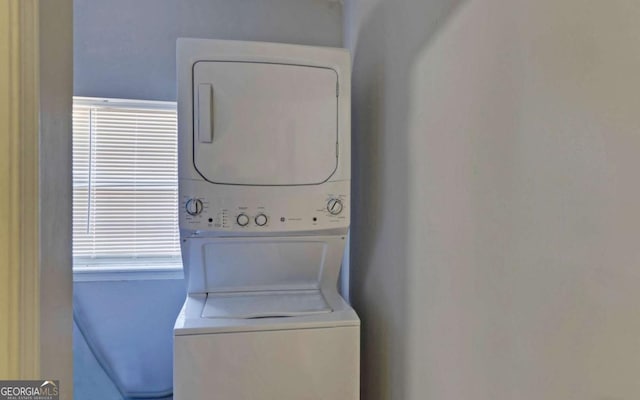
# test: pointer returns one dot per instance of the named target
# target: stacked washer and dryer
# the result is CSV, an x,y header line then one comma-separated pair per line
x,y
264,175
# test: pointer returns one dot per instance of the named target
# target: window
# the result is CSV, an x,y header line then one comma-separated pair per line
x,y
125,185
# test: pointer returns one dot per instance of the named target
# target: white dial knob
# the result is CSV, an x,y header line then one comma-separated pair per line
x,y
242,219
261,220
193,206
334,206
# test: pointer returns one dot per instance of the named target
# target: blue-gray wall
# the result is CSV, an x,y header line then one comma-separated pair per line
x,y
126,49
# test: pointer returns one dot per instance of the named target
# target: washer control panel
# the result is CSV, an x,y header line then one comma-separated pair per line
x,y
268,210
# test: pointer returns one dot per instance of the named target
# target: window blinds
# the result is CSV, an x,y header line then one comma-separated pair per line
x,y
125,185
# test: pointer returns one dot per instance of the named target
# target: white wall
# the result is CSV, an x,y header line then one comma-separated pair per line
x,y
495,238
127,49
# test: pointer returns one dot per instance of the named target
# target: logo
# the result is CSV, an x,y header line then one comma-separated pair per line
x,y
29,390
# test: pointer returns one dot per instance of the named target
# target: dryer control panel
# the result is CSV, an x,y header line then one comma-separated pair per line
x,y
242,209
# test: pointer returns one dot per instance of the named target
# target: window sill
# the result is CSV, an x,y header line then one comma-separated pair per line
x,y
125,274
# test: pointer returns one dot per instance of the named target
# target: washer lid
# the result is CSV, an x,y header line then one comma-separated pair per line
x,y
264,304
263,123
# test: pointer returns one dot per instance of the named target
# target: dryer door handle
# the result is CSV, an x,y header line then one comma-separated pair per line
x,y
205,113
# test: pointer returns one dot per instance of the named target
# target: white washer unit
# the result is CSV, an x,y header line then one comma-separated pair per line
x,y
264,171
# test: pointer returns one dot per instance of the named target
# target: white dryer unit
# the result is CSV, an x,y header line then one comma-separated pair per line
x,y
264,173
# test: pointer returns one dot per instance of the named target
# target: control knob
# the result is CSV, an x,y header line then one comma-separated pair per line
x,y
242,219
334,206
261,220
193,206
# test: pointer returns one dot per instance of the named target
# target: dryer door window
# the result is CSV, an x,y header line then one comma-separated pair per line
x,y
264,124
